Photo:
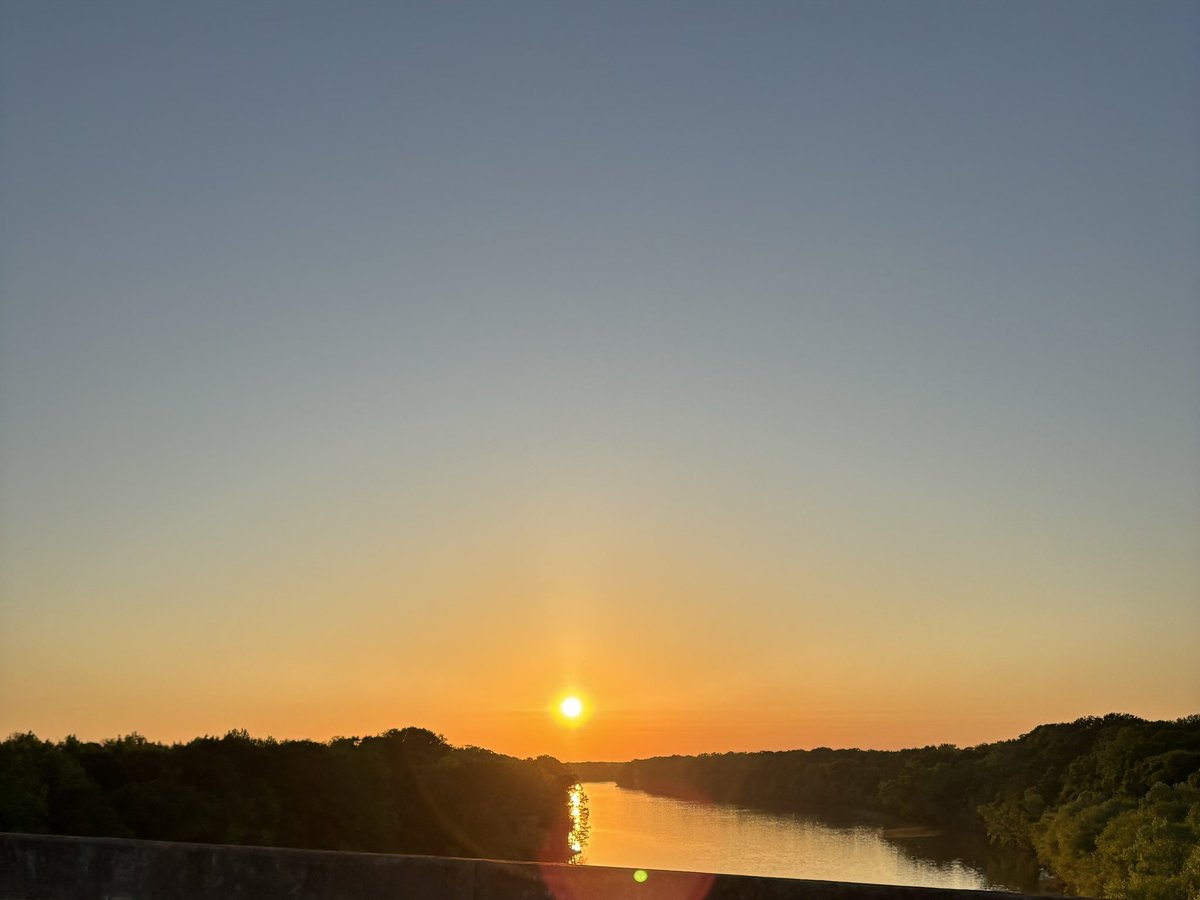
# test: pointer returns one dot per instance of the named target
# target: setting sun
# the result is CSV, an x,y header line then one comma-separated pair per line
x,y
571,707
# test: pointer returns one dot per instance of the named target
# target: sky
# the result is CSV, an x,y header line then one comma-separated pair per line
x,y
769,375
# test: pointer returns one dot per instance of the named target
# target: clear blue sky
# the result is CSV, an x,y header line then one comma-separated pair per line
x,y
831,365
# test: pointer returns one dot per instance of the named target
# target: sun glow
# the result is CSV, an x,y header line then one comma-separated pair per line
x,y
571,707
571,711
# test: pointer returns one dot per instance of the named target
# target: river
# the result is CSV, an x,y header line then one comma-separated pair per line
x,y
634,829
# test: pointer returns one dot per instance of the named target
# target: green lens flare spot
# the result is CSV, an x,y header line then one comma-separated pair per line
x,y
640,876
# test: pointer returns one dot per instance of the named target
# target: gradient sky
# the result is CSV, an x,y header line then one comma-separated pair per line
x,y
773,374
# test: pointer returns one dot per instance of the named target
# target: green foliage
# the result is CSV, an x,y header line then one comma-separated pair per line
x,y
404,791
1110,804
1066,838
1152,851
1009,821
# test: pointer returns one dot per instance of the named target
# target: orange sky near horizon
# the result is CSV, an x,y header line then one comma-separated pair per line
x,y
609,735
682,633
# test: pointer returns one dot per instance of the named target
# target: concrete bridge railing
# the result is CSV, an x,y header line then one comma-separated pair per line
x,y
47,867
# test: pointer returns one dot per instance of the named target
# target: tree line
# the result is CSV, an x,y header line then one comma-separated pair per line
x,y
1110,804
404,791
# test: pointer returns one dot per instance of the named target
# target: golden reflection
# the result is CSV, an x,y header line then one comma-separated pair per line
x,y
578,811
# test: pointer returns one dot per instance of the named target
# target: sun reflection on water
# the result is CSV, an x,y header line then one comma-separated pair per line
x,y
578,811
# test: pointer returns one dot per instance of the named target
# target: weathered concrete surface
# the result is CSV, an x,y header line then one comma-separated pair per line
x,y
47,867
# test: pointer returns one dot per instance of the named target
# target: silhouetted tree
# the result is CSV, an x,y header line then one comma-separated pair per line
x,y
405,790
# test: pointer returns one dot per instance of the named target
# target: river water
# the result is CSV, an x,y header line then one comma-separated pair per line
x,y
638,830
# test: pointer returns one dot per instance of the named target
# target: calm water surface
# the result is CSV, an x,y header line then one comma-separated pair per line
x,y
639,830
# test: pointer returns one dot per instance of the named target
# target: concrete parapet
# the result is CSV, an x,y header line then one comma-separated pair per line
x,y
51,867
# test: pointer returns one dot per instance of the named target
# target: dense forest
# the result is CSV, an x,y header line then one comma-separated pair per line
x,y
1109,804
404,791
